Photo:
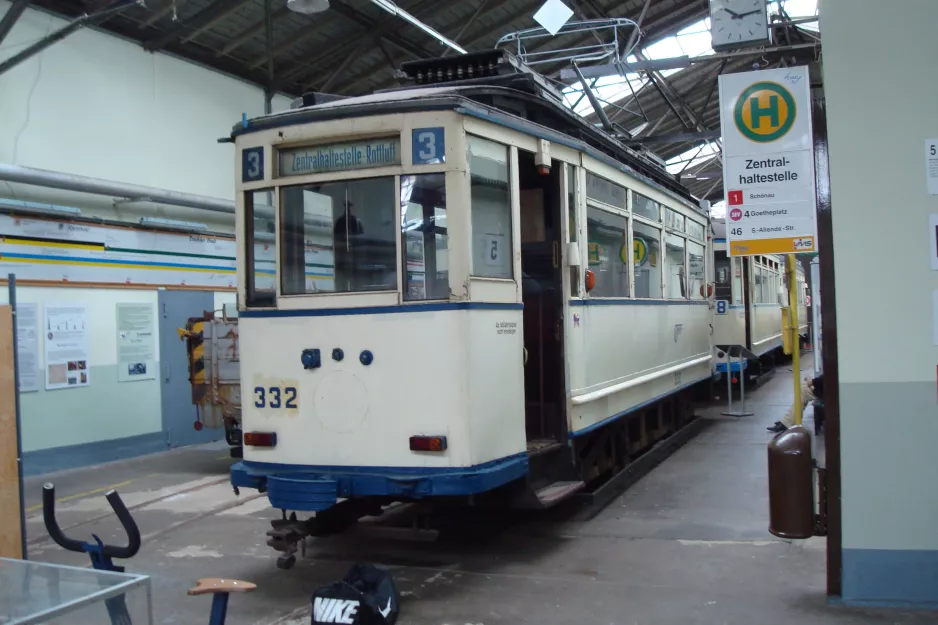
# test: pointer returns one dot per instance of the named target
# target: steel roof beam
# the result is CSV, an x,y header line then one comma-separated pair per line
x,y
525,11
303,34
211,23
251,31
466,26
62,33
661,27
301,71
11,17
679,137
411,49
207,15
171,5
370,24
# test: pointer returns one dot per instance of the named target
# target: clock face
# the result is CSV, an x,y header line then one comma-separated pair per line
x,y
737,22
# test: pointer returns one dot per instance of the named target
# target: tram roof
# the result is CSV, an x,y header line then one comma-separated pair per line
x,y
566,127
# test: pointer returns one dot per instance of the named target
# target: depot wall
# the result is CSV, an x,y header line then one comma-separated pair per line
x,y
881,109
96,105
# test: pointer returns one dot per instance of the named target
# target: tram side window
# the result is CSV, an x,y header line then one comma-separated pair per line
x,y
606,235
696,269
646,207
491,209
676,284
646,247
424,237
674,220
723,267
338,237
757,277
260,248
605,191
695,230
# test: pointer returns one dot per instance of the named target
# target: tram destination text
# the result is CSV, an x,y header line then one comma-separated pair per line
x,y
344,156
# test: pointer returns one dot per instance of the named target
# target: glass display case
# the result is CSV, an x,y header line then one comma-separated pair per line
x,y
39,592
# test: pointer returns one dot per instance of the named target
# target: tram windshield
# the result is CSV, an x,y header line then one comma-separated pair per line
x,y
338,237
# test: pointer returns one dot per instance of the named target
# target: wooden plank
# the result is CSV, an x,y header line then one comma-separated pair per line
x,y
11,538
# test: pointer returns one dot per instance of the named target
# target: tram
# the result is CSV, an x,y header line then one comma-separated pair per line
x,y
749,295
457,290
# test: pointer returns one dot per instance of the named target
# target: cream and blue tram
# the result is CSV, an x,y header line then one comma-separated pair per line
x,y
456,291
749,295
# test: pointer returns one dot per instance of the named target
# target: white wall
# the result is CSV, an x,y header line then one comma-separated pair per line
x,y
95,105
105,409
99,106
880,110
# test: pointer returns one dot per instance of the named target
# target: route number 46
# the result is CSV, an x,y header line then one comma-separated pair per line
x,y
275,397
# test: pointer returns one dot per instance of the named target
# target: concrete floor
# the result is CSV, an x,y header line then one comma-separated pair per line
x,y
687,544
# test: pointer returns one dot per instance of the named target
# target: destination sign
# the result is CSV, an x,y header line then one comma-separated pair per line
x,y
768,162
340,157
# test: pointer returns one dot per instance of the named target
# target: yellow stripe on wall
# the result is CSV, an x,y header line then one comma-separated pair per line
x,y
91,263
94,247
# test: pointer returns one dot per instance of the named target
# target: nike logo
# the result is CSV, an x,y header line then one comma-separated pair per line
x,y
384,612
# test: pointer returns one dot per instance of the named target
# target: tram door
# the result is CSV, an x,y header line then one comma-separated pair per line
x,y
542,294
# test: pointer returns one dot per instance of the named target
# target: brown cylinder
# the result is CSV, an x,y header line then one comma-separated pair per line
x,y
791,487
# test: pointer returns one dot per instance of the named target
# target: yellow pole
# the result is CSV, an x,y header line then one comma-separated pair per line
x,y
793,321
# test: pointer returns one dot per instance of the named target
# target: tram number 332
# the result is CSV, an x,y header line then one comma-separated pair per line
x,y
275,397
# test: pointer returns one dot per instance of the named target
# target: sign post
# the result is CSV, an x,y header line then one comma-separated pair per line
x,y
768,174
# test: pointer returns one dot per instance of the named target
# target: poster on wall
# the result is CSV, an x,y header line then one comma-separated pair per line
x,y
67,352
136,348
27,346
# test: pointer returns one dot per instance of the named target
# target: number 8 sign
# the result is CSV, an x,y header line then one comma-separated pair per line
x,y
721,306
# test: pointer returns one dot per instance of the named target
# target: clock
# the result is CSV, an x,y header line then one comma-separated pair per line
x,y
738,23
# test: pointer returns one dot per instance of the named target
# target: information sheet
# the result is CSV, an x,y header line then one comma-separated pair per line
x,y
67,347
27,346
136,347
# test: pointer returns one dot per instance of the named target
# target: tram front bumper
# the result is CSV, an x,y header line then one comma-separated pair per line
x,y
313,489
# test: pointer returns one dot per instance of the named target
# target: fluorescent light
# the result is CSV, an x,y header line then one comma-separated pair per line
x,y
393,9
39,207
172,223
308,7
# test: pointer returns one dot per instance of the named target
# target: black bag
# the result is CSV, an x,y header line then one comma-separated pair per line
x,y
365,596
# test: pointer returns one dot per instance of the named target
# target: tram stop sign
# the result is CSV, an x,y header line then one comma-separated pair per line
x,y
768,162
366,595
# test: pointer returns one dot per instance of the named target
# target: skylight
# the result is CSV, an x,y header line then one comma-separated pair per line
x,y
692,41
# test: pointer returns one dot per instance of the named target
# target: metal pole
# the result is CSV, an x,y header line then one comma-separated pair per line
x,y
11,287
11,16
97,186
742,386
729,383
793,321
60,34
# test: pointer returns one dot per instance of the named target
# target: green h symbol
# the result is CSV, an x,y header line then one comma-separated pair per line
x,y
771,111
